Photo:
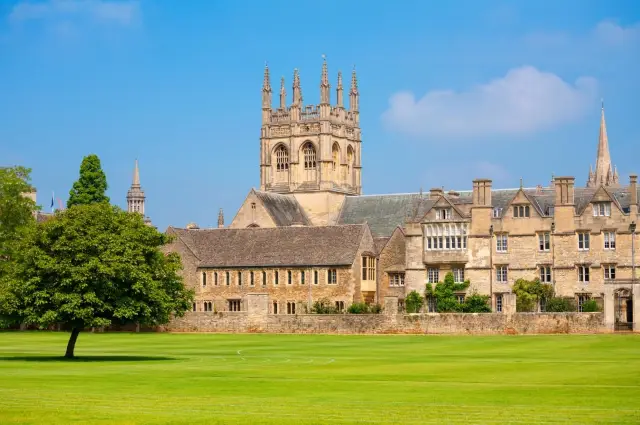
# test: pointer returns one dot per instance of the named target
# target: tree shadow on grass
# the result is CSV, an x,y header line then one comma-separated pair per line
x,y
85,359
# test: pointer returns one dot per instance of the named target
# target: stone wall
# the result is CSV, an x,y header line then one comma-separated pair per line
x,y
431,323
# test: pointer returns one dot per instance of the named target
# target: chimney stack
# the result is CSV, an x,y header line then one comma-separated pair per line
x,y
435,192
482,192
564,187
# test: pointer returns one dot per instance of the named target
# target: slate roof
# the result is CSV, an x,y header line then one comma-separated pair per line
x,y
274,247
379,244
383,213
283,209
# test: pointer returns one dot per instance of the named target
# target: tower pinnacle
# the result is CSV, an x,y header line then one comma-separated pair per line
x,y
339,91
135,194
283,95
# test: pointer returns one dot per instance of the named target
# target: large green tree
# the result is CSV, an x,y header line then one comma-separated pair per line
x,y
92,266
16,208
91,186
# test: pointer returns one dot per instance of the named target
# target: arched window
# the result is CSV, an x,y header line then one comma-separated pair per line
x,y
350,158
282,158
335,156
309,153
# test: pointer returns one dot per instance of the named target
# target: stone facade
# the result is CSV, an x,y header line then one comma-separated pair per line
x,y
578,239
310,148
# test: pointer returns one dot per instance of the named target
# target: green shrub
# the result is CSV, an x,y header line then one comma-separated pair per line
x,y
364,308
559,305
590,306
476,303
445,294
413,302
529,293
323,306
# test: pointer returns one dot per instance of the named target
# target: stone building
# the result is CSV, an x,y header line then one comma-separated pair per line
x,y
577,238
293,265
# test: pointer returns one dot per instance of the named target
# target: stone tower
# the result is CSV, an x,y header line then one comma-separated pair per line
x,y
135,195
310,148
604,174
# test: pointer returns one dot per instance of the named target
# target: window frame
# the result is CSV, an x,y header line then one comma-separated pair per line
x,y
502,242
502,274
544,241
584,241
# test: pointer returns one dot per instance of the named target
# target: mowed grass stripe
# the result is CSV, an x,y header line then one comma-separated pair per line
x,y
208,378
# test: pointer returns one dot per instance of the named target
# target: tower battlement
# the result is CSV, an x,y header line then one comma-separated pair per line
x,y
307,148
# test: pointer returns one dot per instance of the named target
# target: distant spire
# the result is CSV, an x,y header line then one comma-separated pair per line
x,y
283,95
220,219
136,175
521,183
604,171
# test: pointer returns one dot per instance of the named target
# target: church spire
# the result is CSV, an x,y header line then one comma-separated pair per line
x,y
603,161
220,219
604,171
136,175
135,194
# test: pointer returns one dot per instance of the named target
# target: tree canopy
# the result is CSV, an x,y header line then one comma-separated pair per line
x,y
92,266
16,208
91,185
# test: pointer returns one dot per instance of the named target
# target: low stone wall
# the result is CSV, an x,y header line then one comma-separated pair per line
x,y
430,323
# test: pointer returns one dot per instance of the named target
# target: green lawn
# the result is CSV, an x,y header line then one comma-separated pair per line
x,y
316,379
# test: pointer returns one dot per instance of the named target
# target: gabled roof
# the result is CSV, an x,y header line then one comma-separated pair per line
x,y
283,209
383,213
274,247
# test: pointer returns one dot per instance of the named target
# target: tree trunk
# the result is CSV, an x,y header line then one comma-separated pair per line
x,y
71,346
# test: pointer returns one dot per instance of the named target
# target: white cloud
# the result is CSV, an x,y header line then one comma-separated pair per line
x,y
106,11
610,33
524,101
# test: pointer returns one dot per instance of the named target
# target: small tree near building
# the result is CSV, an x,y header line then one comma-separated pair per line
x,y
91,186
446,299
413,302
93,266
530,293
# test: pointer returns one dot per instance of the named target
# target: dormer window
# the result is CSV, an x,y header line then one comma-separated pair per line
x,y
521,211
550,211
602,209
497,212
443,214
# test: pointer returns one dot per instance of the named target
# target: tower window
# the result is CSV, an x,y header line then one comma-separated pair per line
x,y
335,156
309,153
282,159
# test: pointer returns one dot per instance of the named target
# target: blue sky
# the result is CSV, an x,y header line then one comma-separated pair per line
x,y
449,91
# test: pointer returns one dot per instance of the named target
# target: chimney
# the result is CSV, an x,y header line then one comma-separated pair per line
x,y
482,192
435,192
633,192
564,190
453,194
